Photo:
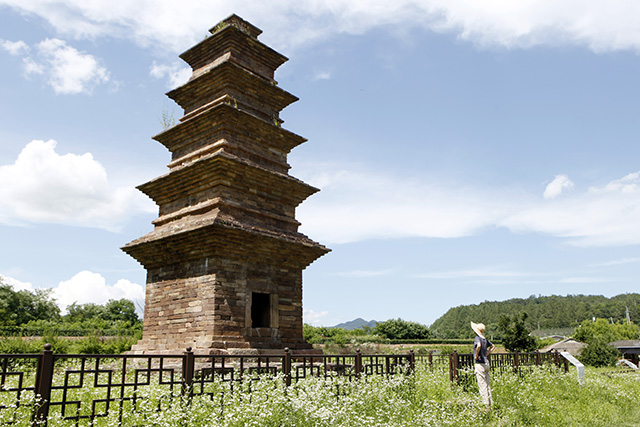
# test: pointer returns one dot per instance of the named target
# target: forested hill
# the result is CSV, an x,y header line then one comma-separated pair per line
x,y
543,312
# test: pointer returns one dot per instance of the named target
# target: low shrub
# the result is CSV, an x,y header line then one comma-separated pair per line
x,y
18,345
86,345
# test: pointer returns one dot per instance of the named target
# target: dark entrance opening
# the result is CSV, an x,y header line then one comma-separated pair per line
x,y
260,310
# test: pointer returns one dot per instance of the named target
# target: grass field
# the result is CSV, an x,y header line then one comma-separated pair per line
x,y
539,398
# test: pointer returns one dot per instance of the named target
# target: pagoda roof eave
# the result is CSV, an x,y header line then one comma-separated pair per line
x,y
182,179
231,38
208,236
226,74
220,114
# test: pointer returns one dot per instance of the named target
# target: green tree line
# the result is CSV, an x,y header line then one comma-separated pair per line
x,y
393,329
543,312
32,312
29,319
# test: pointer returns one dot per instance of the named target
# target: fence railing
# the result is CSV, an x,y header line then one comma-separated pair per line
x,y
117,382
506,362
435,361
86,387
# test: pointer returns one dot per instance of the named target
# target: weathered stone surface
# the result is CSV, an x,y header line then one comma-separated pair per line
x,y
224,261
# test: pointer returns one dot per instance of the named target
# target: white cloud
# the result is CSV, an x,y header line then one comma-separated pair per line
x,y
589,279
32,67
44,186
501,276
87,287
14,48
16,284
314,318
359,205
618,262
472,274
176,74
555,187
364,273
627,185
322,75
600,26
602,216
69,71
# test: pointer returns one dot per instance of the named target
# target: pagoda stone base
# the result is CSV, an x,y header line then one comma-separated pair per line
x,y
255,309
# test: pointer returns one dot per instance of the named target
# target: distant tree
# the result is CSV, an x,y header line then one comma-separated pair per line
x,y
516,337
84,312
8,303
44,306
20,307
598,334
602,329
322,334
102,316
309,333
398,329
599,353
122,309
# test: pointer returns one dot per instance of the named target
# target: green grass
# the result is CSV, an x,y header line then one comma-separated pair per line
x,y
558,400
538,398
77,345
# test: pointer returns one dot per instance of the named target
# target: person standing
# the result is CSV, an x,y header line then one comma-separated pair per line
x,y
482,347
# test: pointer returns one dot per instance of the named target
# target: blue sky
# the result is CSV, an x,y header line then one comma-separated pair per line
x,y
466,151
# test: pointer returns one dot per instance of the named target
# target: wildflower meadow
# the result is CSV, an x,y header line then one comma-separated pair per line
x,y
540,397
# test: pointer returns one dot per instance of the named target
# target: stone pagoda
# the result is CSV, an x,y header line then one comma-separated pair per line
x,y
224,261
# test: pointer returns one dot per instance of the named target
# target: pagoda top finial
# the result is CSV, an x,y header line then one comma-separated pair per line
x,y
244,26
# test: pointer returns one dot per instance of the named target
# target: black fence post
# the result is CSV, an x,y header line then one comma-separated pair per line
x,y
188,371
358,366
412,361
456,361
453,366
43,385
286,366
430,360
538,358
515,361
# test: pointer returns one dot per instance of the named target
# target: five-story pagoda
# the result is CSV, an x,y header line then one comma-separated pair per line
x,y
224,261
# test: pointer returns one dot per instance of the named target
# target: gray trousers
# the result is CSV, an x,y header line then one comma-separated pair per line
x,y
484,382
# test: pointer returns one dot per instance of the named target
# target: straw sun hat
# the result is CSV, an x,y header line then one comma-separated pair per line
x,y
478,328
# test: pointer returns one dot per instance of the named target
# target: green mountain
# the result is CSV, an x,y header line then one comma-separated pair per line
x,y
356,324
544,312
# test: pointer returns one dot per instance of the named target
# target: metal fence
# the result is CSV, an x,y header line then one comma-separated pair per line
x,y
506,362
82,388
435,361
117,382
